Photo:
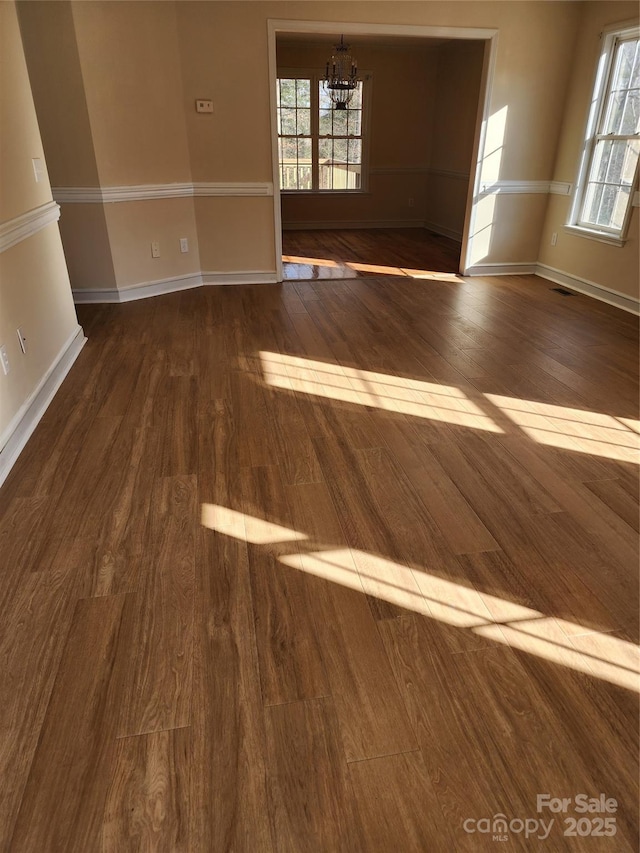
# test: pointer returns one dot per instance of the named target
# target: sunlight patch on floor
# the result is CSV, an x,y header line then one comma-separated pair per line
x,y
376,390
573,429
499,620
247,528
372,269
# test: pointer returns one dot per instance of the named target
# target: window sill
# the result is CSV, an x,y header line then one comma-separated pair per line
x,y
599,236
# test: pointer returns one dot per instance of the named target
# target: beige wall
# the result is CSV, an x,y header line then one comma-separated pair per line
x,y
232,236
132,78
112,113
613,267
133,225
453,127
34,286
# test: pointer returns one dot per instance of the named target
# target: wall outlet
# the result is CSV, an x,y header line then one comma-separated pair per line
x,y
22,339
4,360
184,245
554,238
155,249
204,106
410,202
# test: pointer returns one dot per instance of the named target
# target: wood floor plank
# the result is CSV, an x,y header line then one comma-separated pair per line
x,y
397,804
618,499
60,527
157,636
35,623
227,787
228,796
311,800
372,716
113,534
63,802
457,521
147,805
291,665
521,741
175,415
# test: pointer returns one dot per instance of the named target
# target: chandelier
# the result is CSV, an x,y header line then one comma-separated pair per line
x,y
340,79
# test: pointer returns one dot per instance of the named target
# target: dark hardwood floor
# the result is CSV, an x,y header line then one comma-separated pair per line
x,y
355,253
327,566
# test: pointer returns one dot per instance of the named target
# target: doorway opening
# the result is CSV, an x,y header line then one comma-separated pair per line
x,y
387,187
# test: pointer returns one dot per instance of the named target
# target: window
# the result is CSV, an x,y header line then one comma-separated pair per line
x,y
604,193
319,148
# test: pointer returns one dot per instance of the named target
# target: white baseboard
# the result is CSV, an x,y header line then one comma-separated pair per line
x,y
336,224
501,269
144,290
147,289
589,288
28,417
241,277
444,231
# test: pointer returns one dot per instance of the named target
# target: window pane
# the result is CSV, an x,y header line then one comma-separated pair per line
x,y
304,122
288,122
289,149
593,198
340,150
630,122
355,150
304,151
288,93
354,177
354,118
325,100
625,63
601,160
623,113
325,122
632,151
339,122
606,205
325,149
635,73
304,177
620,203
356,101
303,93
325,174
614,161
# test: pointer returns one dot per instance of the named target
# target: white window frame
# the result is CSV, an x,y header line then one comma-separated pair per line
x,y
611,38
316,78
